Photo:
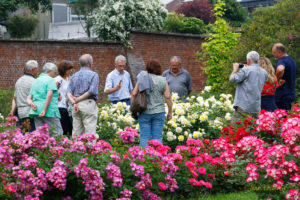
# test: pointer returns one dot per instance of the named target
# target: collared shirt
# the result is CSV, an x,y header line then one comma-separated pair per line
x,y
287,90
85,80
180,84
113,79
250,81
39,90
22,89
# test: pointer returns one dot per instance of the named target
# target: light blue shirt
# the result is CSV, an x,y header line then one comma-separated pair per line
x,y
85,80
113,79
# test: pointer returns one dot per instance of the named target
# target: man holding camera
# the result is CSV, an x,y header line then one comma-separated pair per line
x,y
250,80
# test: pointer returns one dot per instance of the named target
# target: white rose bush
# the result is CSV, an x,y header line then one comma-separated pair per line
x,y
115,19
200,117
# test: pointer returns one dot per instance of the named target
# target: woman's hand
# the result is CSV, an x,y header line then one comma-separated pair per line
x,y
33,106
42,114
169,116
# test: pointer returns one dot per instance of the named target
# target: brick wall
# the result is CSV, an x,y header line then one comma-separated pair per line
x,y
14,54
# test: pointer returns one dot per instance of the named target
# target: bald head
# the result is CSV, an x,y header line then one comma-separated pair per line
x,y
278,50
86,60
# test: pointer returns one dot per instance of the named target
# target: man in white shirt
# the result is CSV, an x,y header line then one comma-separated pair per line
x,y
22,89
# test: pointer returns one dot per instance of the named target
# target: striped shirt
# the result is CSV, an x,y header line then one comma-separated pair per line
x,y
85,80
22,89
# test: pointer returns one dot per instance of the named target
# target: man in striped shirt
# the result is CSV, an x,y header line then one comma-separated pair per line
x,y
83,94
22,89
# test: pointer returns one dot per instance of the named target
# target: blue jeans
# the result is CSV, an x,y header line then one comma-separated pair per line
x,y
151,126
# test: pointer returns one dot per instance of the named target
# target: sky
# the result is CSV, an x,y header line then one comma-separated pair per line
x,y
165,1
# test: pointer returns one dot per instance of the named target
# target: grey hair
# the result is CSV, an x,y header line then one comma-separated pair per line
x,y
120,57
253,56
176,58
85,60
49,67
30,65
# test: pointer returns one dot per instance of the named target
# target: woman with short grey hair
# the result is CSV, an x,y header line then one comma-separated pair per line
x,y
43,99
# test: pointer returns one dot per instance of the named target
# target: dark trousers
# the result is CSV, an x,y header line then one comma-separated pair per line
x,y
286,104
65,121
268,103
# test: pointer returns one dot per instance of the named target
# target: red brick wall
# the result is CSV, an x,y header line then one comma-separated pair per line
x,y
162,47
14,54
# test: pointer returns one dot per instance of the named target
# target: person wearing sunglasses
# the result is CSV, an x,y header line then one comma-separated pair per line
x,y
118,84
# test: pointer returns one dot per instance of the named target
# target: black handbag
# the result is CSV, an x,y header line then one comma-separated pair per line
x,y
139,103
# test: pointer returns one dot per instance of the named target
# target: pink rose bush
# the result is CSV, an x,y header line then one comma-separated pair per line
x,y
37,165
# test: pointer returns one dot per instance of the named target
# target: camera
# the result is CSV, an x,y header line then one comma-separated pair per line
x,y
241,66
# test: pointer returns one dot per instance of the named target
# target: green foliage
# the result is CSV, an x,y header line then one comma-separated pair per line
x,y
7,6
270,25
217,51
85,8
5,101
21,27
235,14
180,24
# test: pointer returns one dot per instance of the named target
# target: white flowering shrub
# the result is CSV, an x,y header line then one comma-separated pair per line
x,y
116,18
200,117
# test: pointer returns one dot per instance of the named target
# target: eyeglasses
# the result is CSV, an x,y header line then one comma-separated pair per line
x,y
122,65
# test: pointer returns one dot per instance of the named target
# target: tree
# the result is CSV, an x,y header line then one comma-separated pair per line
x,y
269,25
85,8
7,6
217,52
178,23
114,19
235,14
201,9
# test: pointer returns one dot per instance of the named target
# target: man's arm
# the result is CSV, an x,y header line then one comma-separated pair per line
x,y
234,70
279,74
237,75
13,107
84,96
108,86
112,90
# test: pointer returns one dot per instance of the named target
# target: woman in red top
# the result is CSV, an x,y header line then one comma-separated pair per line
x,y
267,94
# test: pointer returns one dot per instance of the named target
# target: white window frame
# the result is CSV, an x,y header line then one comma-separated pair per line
x,y
79,16
68,11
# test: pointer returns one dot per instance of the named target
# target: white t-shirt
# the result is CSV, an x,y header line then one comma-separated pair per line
x,y
63,86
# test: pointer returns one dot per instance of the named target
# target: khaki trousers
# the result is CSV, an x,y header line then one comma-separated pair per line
x,y
53,122
85,120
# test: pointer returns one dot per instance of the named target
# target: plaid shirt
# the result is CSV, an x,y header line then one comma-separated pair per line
x,y
85,80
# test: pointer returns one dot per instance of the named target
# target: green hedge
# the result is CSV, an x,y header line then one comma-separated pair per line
x,y
5,101
21,27
180,24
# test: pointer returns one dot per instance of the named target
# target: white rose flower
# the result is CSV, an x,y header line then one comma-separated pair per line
x,y
178,129
169,134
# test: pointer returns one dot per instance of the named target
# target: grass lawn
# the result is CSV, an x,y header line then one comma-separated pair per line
x,y
231,196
